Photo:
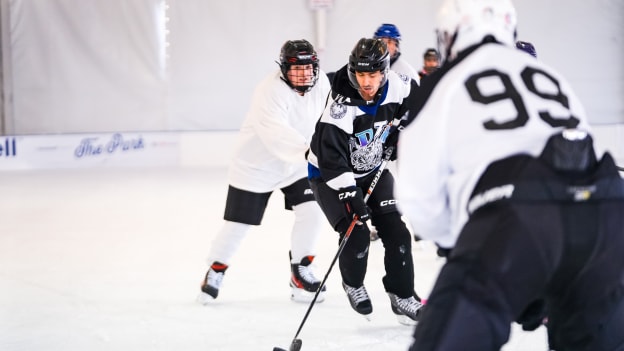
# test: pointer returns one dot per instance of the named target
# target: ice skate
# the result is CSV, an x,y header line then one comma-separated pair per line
x,y
359,300
212,282
303,282
407,310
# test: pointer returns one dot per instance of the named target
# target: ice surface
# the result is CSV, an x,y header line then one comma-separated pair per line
x,y
112,259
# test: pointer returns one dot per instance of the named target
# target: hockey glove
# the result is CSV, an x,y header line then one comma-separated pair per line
x,y
392,141
534,315
354,203
443,251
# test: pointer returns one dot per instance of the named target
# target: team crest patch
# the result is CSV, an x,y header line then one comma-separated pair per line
x,y
404,78
337,110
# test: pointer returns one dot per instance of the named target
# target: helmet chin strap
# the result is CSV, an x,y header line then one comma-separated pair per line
x,y
302,89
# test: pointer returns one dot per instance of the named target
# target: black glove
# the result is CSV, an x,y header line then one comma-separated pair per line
x,y
534,315
443,251
354,203
392,141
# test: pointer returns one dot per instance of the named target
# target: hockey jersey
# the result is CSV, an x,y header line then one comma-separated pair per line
x,y
489,103
350,138
401,67
270,149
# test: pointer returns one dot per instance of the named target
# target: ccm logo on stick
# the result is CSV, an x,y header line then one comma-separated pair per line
x,y
387,202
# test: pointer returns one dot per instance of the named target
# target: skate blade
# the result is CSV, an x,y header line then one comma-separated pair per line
x,y
405,320
300,295
204,298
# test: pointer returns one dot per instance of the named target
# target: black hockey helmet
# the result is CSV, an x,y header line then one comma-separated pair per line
x,y
298,52
368,55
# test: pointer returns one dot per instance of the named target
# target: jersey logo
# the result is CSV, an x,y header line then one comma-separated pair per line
x,y
365,157
365,137
337,110
405,78
491,195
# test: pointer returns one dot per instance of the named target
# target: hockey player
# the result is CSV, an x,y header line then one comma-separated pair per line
x,y
390,34
346,150
498,167
270,155
431,62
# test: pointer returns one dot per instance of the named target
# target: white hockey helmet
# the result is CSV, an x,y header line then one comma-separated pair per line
x,y
463,23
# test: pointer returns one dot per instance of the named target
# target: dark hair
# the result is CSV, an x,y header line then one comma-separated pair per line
x,y
431,52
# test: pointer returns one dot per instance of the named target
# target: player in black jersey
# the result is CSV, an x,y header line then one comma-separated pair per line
x,y
499,168
346,150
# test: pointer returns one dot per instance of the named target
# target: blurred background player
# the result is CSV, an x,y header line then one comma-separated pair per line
x,y
345,152
390,34
431,62
532,215
527,47
270,156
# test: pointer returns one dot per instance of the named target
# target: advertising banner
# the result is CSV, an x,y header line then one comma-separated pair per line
x,y
89,150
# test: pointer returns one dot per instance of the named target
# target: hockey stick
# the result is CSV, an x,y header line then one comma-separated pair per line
x,y
296,343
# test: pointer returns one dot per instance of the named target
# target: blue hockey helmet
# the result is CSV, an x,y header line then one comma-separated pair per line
x,y
526,47
387,30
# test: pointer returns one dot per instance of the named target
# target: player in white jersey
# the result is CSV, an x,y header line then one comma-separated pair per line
x,y
390,34
499,169
269,156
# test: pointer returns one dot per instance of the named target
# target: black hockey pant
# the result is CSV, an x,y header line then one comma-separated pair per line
x,y
398,263
510,254
393,232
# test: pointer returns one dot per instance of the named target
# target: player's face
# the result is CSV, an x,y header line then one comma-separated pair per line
x,y
301,75
393,46
369,83
431,64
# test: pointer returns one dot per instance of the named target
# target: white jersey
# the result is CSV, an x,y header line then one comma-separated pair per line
x,y
402,67
493,103
273,139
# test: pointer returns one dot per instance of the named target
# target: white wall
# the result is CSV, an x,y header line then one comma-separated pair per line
x,y
112,65
194,146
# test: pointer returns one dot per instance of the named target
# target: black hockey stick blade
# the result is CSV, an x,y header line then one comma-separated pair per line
x,y
294,346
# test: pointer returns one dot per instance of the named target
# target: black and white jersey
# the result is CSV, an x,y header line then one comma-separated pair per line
x,y
350,137
402,67
270,149
492,102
